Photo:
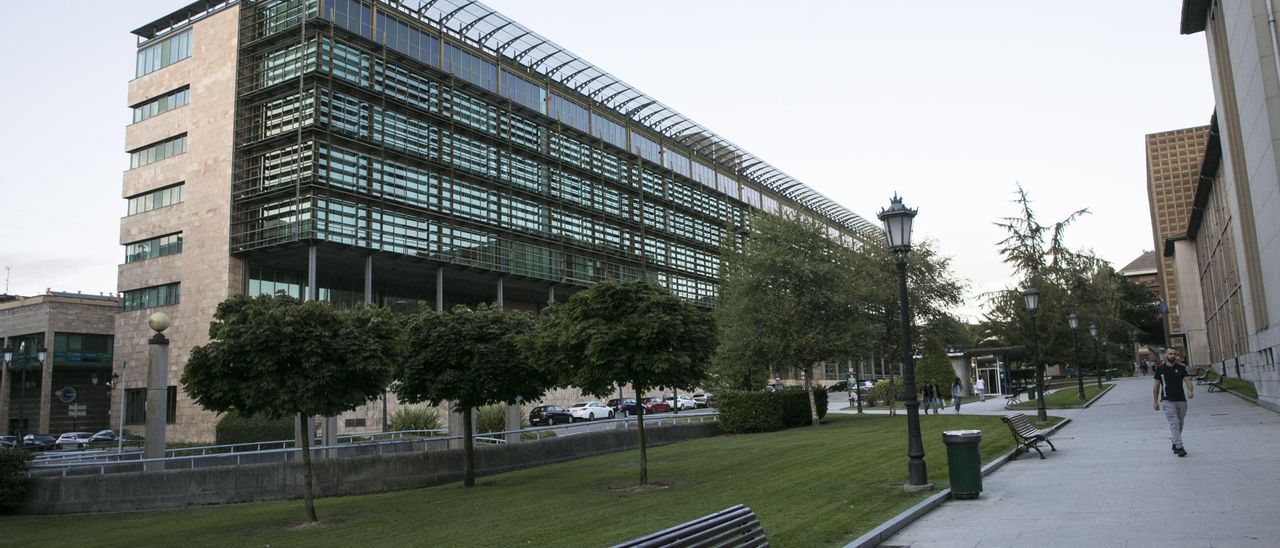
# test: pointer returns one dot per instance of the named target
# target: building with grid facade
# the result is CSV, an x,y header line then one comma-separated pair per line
x,y
411,153
1173,165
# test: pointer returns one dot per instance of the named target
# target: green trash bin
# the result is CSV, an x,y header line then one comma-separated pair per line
x,y
964,462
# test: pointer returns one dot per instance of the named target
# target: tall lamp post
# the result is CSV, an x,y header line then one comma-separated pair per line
x,y
897,221
1097,371
8,359
1031,297
1074,322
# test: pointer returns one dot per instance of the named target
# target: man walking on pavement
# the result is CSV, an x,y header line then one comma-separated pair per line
x,y
1171,391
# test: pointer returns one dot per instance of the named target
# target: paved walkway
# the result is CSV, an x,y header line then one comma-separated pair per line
x,y
1114,482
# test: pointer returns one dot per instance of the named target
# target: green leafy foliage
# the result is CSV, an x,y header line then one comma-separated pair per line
x,y
619,333
415,418
278,357
491,418
13,480
471,358
888,391
790,297
748,411
236,428
795,405
935,368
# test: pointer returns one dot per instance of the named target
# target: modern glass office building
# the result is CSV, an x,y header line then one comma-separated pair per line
x,y
409,153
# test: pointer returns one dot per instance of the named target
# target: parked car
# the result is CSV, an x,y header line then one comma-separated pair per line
x,y
624,406
39,442
590,410
655,405
103,436
681,402
73,440
774,387
8,442
838,387
702,399
549,415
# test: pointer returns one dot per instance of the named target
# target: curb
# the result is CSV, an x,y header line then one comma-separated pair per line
x,y
1104,391
885,530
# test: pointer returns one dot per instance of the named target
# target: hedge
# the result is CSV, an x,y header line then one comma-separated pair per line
x,y
13,481
748,411
234,428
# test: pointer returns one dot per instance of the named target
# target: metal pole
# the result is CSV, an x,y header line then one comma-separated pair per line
x,y
120,440
917,475
857,385
1097,371
1041,414
22,409
1075,357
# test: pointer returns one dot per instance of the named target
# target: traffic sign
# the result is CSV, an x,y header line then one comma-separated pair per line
x,y
77,410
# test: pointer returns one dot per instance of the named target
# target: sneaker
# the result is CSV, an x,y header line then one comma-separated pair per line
x,y
1173,448
1180,451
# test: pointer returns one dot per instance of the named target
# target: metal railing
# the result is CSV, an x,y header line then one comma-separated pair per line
x,y
102,464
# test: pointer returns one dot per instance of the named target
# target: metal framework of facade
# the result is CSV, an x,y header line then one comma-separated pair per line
x,y
494,33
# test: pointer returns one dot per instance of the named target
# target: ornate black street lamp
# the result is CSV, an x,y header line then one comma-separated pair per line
x,y
1031,297
897,221
1093,331
1074,322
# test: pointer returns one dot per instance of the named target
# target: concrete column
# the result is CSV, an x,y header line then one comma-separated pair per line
x,y
46,382
311,275
500,288
4,389
440,289
368,280
551,294
514,417
960,366
454,421
157,398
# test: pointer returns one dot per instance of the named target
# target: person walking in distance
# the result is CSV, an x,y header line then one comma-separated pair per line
x,y
1171,391
957,392
980,388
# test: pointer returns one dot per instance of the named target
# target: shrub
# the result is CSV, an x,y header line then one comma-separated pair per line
x,y
795,406
747,411
235,428
13,481
491,418
887,391
414,418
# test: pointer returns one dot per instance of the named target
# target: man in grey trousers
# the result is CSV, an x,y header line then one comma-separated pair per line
x,y
1171,391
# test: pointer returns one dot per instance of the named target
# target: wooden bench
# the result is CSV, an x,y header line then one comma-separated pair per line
x,y
736,526
1013,399
1025,435
1203,377
1216,384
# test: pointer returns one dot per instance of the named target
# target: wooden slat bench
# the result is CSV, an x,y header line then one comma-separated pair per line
x,y
1216,384
1013,399
731,527
1203,377
1025,435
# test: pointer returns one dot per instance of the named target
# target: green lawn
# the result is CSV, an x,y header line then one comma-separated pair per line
x,y
1066,398
1239,386
810,486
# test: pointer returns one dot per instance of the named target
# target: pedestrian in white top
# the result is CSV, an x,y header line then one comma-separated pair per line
x,y
981,388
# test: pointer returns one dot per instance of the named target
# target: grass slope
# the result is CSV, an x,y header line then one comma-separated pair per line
x,y
810,486
1066,398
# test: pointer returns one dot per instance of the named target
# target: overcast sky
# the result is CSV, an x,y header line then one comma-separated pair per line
x,y
951,104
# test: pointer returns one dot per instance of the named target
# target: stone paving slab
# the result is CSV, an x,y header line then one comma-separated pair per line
x,y
1115,482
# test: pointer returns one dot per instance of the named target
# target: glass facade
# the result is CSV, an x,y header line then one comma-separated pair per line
x,y
152,248
431,149
161,104
164,53
153,153
82,348
156,199
148,297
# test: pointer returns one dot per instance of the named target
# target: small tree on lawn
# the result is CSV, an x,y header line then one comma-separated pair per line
x,y
619,333
471,358
277,356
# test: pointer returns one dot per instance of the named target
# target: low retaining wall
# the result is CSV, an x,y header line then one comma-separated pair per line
x,y
352,476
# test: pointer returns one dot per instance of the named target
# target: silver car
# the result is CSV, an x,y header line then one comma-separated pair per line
x,y
73,440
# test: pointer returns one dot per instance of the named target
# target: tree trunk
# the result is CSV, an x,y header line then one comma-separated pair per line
x,y
308,430
808,387
468,451
644,454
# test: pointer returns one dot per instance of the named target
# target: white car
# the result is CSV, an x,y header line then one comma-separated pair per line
x,y
682,402
701,398
589,411
73,440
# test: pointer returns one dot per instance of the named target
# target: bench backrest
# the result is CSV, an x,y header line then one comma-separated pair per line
x,y
1020,424
736,526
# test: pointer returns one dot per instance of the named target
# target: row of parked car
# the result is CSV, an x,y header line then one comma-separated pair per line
x,y
69,440
549,415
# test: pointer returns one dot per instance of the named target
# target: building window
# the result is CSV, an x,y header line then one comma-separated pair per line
x,y
156,199
161,104
135,406
153,153
147,297
82,348
169,51
470,68
156,247
353,423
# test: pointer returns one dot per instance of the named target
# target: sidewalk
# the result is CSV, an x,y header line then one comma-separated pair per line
x,y
1114,482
